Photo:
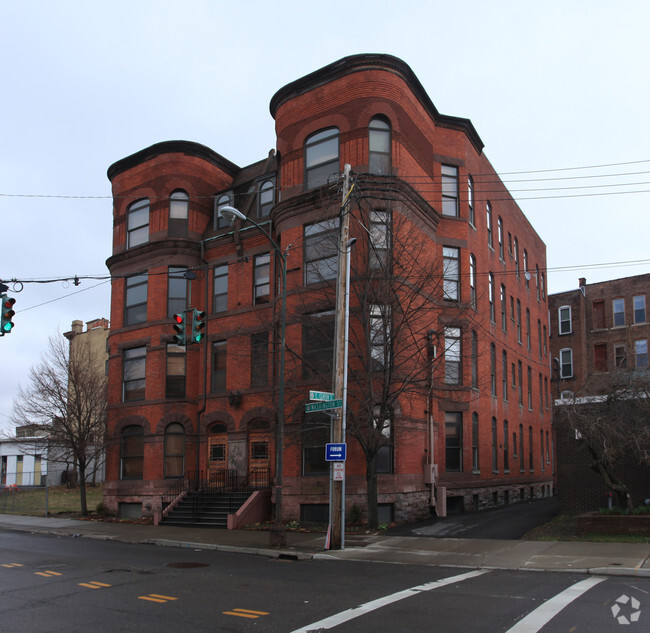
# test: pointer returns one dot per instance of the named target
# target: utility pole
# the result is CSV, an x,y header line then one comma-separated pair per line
x,y
336,496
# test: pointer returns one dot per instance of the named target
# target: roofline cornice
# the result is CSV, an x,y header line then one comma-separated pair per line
x,y
370,61
172,147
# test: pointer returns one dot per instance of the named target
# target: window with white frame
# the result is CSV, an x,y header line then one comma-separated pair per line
x,y
321,157
491,297
639,308
500,237
451,273
566,363
179,206
470,200
618,309
488,215
641,354
176,290
564,319
220,289
265,198
449,190
224,200
472,281
133,373
261,278
137,223
135,301
321,250
453,441
379,336
379,239
452,355
379,146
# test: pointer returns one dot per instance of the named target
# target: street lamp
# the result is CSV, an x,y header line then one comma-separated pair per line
x,y
230,214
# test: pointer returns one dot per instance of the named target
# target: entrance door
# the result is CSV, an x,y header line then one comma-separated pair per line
x,y
259,454
217,457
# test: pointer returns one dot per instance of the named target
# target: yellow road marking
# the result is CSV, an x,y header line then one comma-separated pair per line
x,y
48,574
246,613
94,584
12,565
155,597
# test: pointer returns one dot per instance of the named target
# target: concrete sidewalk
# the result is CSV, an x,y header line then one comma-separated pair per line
x,y
615,559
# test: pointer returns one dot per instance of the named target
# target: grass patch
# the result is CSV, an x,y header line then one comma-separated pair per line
x,y
563,528
59,500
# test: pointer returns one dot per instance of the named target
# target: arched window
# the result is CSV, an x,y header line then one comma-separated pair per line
x,y
321,157
179,206
379,147
266,198
137,223
221,201
131,452
174,450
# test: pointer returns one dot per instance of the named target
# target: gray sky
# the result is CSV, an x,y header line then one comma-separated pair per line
x,y
548,85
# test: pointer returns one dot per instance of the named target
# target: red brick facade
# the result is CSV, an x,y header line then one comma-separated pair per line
x,y
425,190
600,328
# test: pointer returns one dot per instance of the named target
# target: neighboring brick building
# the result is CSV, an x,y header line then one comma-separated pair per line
x,y
596,330
475,433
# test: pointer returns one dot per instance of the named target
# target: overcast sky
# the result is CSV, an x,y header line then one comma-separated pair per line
x,y
553,85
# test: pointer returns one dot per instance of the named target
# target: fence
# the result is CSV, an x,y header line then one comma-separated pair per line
x,y
31,500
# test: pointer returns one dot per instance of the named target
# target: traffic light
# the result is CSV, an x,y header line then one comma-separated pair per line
x,y
179,327
8,313
198,323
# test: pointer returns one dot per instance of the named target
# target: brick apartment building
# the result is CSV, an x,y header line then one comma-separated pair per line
x,y
597,330
448,300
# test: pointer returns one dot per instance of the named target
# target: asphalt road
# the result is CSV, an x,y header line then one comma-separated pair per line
x,y
507,522
67,585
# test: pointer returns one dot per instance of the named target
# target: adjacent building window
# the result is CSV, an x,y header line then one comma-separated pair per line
x,y
600,357
218,377
453,441
474,359
175,383
452,356
506,459
179,207
133,371
521,448
321,157
470,200
566,363
449,190
259,359
220,289
472,281
475,436
137,223
564,319
620,356
315,434
504,316
500,237
639,308
618,308
321,250
489,225
527,328
641,354
504,373
379,333
176,290
493,370
135,304
491,297
379,239
225,199
265,199
531,463
131,452
529,374
174,450
518,321
517,257
261,278
379,147
451,273
520,383
495,447
318,345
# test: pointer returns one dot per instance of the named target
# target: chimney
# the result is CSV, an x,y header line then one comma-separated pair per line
x,y
77,326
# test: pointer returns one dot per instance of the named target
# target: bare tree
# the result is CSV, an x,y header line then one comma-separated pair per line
x,y
399,288
66,396
614,425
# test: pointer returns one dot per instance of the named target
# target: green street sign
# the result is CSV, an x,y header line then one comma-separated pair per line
x,y
321,395
322,406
